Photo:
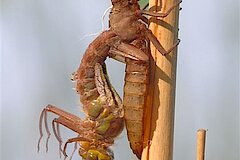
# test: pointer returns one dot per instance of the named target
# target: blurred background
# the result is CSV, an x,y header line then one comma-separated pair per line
x,y
42,43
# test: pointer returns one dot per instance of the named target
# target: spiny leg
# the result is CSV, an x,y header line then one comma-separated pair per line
x,y
74,149
62,113
144,19
158,45
124,50
43,116
71,140
66,119
73,126
56,132
40,130
162,15
148,33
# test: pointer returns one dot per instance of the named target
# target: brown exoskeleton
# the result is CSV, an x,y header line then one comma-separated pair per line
x,y
126,20
125,41
101,103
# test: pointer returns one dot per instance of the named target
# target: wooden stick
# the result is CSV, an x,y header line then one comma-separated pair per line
x,y
159,118
201,138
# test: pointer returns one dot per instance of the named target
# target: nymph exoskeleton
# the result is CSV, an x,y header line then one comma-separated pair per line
x,y
128,22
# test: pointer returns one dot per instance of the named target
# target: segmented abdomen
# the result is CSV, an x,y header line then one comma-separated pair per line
x,y
101,104
96,52
134,101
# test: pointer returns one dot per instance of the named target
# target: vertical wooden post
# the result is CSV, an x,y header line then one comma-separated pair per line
x,y
201,138
159,122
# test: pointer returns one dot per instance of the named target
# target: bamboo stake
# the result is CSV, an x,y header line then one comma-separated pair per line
x,y
159,118
201,138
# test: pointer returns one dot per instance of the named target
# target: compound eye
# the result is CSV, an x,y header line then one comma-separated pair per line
x,y
92,155
98,155
104,156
